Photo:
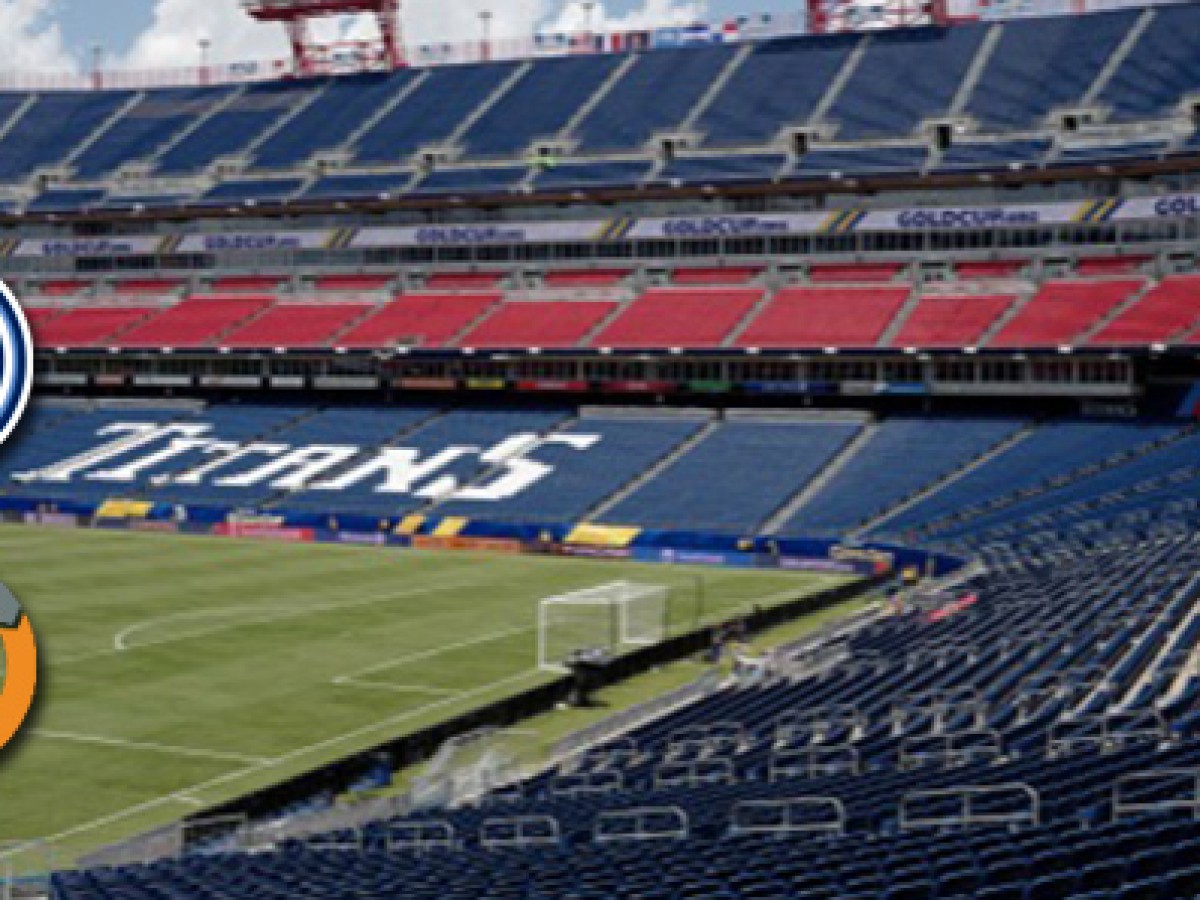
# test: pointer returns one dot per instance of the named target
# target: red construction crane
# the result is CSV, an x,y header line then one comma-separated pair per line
x,y
296,15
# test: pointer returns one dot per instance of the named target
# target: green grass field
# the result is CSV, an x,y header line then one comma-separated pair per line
x,y
180,672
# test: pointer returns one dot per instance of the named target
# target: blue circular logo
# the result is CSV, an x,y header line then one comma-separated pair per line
x,y
16,362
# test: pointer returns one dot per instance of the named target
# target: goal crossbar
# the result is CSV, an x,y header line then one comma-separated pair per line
x,y
611,617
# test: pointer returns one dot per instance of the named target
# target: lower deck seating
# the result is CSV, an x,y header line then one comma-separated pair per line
x,y
736,477
1052,450
588,462
900,457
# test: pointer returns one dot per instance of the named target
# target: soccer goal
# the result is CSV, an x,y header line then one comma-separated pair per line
x,y
612,617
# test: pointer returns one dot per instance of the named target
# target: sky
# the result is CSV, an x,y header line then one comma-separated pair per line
x,y
59,35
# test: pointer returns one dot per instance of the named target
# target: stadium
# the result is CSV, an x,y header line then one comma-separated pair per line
x,y
754,458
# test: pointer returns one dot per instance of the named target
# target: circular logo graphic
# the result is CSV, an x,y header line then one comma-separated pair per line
x,y
16,362
20,665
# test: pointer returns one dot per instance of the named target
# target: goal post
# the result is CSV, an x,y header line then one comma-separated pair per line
x,y
614,617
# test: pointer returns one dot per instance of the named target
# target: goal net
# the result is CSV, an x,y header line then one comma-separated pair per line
x,y
612,617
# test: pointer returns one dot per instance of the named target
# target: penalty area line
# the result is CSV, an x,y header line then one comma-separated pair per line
x,y
421,655
343,681
151,747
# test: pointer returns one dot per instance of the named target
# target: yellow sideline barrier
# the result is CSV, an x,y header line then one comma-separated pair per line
x,y
124,509
450,527
603,535
410,525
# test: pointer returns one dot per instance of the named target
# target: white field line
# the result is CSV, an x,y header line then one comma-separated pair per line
x,y
397,661
258,615
393,688
121,639
355,679
185,796
150,747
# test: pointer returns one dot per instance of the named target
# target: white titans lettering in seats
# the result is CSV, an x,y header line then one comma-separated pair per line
x,y
517,472
135,436
301,466
508,470
402,468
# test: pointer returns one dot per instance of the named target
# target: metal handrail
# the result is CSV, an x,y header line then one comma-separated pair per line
x,y
967,815
742,819
520,831
639,817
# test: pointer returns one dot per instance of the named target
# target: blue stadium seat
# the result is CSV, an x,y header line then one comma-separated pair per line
x,y
430,113
904,78
538,106
656,94
787,79
760,465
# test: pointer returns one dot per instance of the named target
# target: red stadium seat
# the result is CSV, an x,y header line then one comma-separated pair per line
x,y
825,317
297,325
680,317
992,268
714,275
1099,266
1164,315
539,324
196,322
586,278
952,321
64,288
1061,311
865,273
148,286
422,320
251,284
353,282
87,326
463,281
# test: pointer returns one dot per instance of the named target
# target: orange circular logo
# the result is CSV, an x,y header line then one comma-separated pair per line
x,y
20,664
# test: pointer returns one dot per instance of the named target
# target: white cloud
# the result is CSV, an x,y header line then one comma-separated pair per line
x,y
171,40
30,40
173,37
651,14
